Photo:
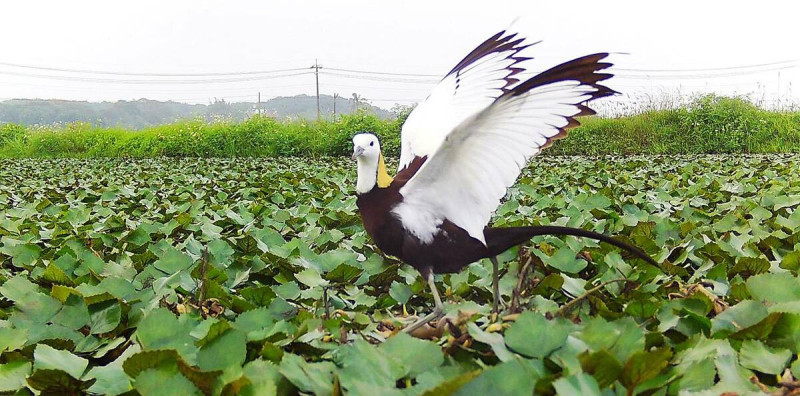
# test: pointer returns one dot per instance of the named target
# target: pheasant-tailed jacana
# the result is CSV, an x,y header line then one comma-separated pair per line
x,y
461,148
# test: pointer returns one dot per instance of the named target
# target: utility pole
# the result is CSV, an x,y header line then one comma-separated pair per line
x,y
258,109
335,95
316,68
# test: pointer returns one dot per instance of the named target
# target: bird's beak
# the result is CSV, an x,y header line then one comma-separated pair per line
x,y
357,152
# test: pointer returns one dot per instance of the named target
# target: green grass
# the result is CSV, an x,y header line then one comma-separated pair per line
x,y
711,124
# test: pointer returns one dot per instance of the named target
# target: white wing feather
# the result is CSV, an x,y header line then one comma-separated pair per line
x,y
479,159
470,87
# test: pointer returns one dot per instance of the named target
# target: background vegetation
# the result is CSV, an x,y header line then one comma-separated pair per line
x,y
138,114
710,124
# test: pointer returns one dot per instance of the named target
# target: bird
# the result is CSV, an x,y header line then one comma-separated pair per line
x,y
462,147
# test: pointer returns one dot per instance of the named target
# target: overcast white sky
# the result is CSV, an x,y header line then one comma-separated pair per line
x,y
417,37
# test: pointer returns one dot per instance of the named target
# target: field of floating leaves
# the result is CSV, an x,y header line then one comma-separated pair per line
x,y
255,276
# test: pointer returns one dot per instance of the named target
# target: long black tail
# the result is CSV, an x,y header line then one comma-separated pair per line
x,y
499,240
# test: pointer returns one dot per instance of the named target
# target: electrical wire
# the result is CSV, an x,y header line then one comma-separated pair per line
x,y
117,73
169,82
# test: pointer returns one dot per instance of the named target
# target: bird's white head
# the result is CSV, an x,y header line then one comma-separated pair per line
x,y
366,147
371,167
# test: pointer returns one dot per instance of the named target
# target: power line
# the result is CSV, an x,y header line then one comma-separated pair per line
x,y
117,73
706,69
385,73
698,76
127,81
387,79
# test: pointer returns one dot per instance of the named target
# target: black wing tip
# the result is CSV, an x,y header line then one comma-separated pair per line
x,y
501,41
585,69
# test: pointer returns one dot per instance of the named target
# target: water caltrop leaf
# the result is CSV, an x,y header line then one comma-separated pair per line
x,y
757,356
577,384
515,377
13,374
418,355
738,317
644,365
104,316
494,340
225,351
400,292
534,336
12,339
173,261
316,378
603,366
364,367
160,329
774,288
164,380
49,358
564,260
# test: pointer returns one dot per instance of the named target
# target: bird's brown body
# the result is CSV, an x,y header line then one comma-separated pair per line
x,y
452,247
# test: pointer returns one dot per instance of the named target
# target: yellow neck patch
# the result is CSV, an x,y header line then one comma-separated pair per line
x,y
384,180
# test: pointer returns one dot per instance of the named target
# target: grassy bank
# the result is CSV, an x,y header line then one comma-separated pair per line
x,y
709,125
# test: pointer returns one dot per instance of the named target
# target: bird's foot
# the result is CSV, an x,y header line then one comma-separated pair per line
x,y
435,315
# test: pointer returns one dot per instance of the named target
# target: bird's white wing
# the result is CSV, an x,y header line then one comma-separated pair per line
x,y
464,180
474,83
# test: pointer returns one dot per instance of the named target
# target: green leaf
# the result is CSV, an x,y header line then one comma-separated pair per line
x,y
223,352
164,380
697,375
452,385
316,378
160,329
644,365
35,306
143,360
12,339
54,274
57,382
791,261
577,384
603,366
738,317
13,374
400,292
494,340
774,288
364,367
418,355
104,316
757,356
564,260
533,335
311,278
258,323
48,358
621,337
515,377
173,261
74,314
22,255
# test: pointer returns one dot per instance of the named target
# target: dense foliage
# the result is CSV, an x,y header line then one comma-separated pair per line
x,y
710,125
255,276
137,114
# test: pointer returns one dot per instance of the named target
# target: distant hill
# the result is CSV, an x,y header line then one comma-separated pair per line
x,y
143,112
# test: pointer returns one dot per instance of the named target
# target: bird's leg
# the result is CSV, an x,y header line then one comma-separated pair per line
x,y
495,285
438,309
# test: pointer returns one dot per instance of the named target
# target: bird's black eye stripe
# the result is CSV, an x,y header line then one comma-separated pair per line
x,y
371,144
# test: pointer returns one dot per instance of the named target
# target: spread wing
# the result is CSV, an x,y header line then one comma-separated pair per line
x,y
464,180
474,83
